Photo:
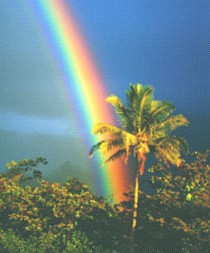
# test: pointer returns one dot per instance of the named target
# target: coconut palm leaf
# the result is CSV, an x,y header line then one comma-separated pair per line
x,y
171,123
169,150
103,128
118,138
139,103
122,112
161,109
95,148
119,153
113,131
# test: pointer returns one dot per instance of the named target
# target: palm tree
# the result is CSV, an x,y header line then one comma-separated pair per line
x,y
145,127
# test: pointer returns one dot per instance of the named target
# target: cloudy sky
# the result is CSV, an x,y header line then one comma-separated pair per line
x,y
164,43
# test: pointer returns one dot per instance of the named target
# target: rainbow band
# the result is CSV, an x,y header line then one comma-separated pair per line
x,y
83,84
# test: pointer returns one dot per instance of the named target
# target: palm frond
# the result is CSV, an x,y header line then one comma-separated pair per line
x,y
95,148
183,145
160,110
174,141
111,144
119,153
103,128
169,150
171,123
113,131
139,103
117,139
134,95
115,143
122,112
114,101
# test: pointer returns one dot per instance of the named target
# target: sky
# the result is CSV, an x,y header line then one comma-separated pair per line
x,y
163,43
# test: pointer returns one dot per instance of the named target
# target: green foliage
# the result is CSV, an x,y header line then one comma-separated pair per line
x,y
10,242
176,218
25,170
52,218
69,218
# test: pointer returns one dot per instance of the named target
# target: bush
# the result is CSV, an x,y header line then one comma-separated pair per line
x,y
52,217
10,242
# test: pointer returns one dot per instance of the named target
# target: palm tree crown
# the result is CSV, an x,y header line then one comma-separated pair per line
x,y
145,126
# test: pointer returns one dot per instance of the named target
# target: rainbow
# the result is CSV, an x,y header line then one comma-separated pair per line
x,y
84,85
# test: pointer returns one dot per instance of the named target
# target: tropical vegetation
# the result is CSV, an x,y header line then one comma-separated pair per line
x,y
51,217
171,215
175,214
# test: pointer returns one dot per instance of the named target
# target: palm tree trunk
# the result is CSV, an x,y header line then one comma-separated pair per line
x,y
140,163
135,204
135,208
